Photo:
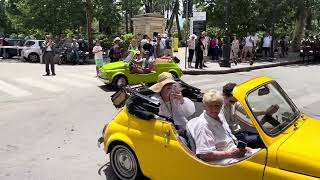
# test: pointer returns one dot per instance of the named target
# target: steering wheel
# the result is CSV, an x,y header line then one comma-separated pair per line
x,y
275,129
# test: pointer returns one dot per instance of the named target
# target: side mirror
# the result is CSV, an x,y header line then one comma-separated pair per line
x,y
263,91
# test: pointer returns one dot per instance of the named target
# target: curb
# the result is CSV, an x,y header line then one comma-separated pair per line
x,y
244,69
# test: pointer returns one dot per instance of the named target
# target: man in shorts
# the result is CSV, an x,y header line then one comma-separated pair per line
x,y
98,55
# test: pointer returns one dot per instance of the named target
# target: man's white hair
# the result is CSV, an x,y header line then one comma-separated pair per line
x,y
213,96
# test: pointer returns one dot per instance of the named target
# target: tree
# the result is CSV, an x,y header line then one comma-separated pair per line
x,y
52,16
108,14
4,23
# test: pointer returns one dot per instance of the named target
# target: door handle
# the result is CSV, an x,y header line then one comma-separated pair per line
x,y
166,137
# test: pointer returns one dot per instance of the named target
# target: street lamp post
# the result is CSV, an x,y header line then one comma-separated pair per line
x,y
88,9
226,45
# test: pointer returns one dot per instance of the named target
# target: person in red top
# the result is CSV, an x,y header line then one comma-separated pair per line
x,y
214,48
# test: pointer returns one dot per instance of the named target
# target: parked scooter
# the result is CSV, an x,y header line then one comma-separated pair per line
x,y
68,56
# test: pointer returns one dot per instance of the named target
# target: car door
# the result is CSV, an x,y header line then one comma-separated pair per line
x,y
179,162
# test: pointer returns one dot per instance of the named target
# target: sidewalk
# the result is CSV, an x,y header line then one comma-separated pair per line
x,y
214,68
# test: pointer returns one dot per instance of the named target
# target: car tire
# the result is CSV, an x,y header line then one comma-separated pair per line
x,y
125,163
119,82
5,55
33,57
174,74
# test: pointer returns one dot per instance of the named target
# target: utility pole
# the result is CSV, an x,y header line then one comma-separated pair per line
x,y
226,45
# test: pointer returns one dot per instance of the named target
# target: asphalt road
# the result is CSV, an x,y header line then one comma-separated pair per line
x,y
49,126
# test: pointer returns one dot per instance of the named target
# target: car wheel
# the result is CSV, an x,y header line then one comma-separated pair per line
x,y
34,57
174,74
119,81
125,163
5,55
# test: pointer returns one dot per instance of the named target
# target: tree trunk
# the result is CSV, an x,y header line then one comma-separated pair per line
x,y
131,16
126,19
299,29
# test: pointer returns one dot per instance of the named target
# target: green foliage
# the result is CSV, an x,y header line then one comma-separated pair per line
x,y
13,36
175,35
51,16
127,37
215,31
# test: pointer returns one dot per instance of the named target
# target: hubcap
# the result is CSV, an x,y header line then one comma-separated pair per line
x,y
121,82
125,162
33,58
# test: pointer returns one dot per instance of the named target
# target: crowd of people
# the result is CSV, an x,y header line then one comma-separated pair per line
x,y
244,49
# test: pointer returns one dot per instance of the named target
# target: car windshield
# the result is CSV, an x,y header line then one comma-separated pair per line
x,y
129,57
272,108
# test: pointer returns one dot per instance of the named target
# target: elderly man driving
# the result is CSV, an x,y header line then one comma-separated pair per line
x,y
212,135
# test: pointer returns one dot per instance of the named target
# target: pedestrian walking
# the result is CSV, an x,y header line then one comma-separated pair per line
x,y
267,40
48,55
98,55
75,51
248,47
214,48
205,42
234,54
199,52
191,47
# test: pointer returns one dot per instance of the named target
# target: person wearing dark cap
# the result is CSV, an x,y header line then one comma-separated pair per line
x,y
230,106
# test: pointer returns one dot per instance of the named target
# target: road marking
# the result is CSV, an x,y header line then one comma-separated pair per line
x,y
13,90
307,100
84,77
199,81
70,82
216,86
40,84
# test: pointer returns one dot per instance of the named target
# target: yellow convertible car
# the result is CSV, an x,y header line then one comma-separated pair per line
x,y
141,144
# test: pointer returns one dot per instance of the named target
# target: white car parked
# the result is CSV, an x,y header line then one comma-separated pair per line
x,y
32,50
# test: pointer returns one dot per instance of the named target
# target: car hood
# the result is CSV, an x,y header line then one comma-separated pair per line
x,y
114,65
300,153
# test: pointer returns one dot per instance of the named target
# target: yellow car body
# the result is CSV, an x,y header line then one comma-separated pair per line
x,y
293,153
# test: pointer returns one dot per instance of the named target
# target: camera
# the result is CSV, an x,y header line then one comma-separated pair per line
x,y
241,145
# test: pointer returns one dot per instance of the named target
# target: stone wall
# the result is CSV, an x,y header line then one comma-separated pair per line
x,y
148,24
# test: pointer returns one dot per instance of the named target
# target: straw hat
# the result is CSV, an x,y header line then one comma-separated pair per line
x,y
116,39
163,79
165,75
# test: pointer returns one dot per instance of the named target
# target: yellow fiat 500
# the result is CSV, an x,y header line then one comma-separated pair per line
x,y
142,146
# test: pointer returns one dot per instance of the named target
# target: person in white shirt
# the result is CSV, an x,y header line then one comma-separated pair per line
x,y
248,47
267,40
213,138
172,103
48,55
98,55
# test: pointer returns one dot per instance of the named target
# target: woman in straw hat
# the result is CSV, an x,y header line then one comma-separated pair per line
x,y
172,103
117,51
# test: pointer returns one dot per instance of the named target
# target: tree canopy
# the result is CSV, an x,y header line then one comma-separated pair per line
x,y
293,17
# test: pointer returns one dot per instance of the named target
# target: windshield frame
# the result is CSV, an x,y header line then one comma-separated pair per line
x,y
286,98
128,61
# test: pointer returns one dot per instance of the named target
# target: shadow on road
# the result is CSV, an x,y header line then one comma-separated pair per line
x,y
108,172
107,88
305,64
